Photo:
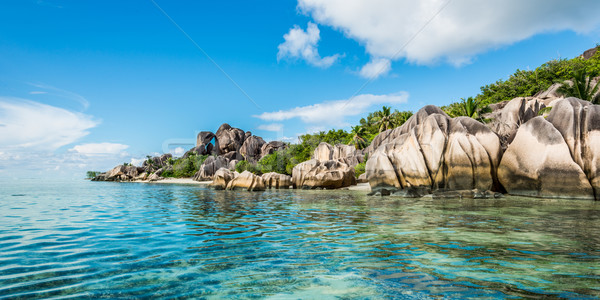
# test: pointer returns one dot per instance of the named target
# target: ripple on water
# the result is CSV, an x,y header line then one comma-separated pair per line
x,y
91,240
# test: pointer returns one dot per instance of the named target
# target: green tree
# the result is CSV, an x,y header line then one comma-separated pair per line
x,y
581,87
469,106
358,137
385,119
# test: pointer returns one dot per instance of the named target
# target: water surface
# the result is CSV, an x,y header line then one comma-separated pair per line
x,y
80,239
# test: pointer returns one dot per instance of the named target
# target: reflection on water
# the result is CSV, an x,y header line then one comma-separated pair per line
x,y
89,239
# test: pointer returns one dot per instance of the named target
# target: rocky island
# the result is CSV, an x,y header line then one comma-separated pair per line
x,y
546,145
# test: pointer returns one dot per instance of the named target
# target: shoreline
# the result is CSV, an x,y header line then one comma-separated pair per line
x,y
365,187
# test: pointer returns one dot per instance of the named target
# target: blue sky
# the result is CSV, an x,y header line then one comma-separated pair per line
x,y
86,85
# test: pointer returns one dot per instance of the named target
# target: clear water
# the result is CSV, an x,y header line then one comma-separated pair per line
x,y
82,239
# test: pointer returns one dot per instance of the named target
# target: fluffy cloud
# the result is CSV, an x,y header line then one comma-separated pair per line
x,y
334,112
461,30
33,125
303,44
177,152
275,127
99,148
376,68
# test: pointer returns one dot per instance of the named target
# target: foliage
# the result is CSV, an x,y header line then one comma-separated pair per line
x,y
360,169
245,165
372,129
385,119
581,87
185,167
469,106
358,137
527,83
91,174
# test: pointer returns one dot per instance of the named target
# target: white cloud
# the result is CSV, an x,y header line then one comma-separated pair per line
x,y
376,67
137,161
462,29
99,148
275,127
37,92
29,124
303,44
179,151
334,112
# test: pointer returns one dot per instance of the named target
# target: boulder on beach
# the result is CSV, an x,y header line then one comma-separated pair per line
x,y
210,167
538,163
329,174
436,152
221,178
246,181
277,181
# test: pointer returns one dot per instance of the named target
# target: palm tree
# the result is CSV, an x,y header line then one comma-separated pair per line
x,y
385,119
358,133
581,87
469,106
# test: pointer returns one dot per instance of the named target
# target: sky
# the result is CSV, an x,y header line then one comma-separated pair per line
x,y
86,85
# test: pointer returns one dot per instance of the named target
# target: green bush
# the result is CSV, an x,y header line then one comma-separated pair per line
x,y
360,169
91,174
185,167
245,165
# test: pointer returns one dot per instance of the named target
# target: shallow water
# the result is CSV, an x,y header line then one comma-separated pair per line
x,y
81,239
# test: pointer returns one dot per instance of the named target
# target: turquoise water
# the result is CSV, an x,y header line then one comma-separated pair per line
x,y
81,239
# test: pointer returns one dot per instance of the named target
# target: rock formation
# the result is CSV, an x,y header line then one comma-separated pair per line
x,y
221,178
247,181
432,151
271,147
329,174
557,157
251,149
277,181
229,139
210,167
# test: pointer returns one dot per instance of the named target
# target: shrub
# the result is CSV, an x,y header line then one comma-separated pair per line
x,y
360,169
91,174
245,165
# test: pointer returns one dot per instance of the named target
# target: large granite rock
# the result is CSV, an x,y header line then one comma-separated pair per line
x,y
329,174
323,152
271,147
508,116
539,163
251,149
156,162
229,139
120,173
247,181
277,181
210,167
436,153
221,178
204,138
413,121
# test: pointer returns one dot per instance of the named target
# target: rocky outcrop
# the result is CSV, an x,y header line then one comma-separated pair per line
x,y
204,138
277,181
154,163
323,152
343,153
329,174
558,157
435,152
229,139
538,163
221,178
413,121
251,149
120,173
210,167
271,147
508,116
247,181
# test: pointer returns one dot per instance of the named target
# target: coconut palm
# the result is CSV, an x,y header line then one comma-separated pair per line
x,y
469,106
385,119
358,139
581,87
